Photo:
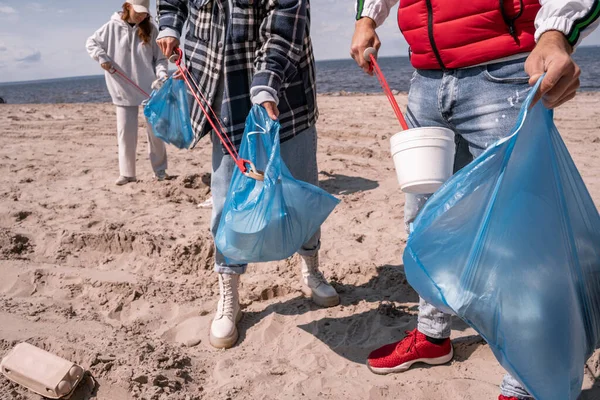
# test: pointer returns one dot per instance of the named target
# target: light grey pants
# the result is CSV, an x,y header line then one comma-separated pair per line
x,y
299,155
453,99
127,134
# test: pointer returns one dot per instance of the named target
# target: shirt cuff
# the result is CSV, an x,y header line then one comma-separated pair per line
x,y
561,24
261,94
375,14
266,80
103,59
168,32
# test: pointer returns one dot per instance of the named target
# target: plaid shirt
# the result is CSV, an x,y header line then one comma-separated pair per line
x,y
260,44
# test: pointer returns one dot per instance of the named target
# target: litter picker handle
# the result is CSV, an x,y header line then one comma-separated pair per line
x,y
370,51
245,166
174,58
370,55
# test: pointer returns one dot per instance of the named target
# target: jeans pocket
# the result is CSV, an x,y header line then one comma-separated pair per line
x,y
413,77
507,72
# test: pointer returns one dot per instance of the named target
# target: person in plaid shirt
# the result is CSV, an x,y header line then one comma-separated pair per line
x,y
245,52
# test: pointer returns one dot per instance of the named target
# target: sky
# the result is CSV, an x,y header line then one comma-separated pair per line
x,y
45,39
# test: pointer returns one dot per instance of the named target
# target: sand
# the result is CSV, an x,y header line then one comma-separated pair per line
x,y
120,280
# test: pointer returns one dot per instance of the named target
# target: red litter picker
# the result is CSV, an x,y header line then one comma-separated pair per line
x,y
245,166
423,156
370,56
113,71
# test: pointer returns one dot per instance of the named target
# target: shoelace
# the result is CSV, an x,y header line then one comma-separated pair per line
x,y
226,306
412,337
314,272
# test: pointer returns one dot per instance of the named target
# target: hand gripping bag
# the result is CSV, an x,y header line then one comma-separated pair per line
x,y
268,220
168,113
511,244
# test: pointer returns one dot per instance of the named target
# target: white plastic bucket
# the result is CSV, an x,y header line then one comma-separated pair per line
x,y
423,157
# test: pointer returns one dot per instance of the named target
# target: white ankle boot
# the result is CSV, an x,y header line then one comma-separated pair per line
x,y
123,180
321,292
223,332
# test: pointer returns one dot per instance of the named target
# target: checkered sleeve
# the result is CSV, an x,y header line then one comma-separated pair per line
x,y
282,34
172,14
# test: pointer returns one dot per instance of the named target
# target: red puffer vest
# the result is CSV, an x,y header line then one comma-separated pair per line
x,y
445,34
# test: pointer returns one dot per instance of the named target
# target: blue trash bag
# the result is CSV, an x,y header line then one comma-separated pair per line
x,y
168,113
511,244
270,220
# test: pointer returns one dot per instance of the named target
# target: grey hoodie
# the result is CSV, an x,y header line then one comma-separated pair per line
x,y
119,43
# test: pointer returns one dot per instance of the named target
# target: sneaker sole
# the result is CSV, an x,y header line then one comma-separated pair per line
x,y
403,367
224,343
321,301
125,183
228,341
325,301
205,205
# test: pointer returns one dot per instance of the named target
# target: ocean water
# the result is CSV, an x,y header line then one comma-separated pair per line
x,y
332,76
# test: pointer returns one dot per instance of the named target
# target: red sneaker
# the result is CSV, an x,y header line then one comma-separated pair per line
x,y
506,398
414,348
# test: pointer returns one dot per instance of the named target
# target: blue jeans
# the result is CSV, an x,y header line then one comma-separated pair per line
x,y
299,155
481,105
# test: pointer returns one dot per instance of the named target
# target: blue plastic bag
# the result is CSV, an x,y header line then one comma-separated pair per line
x,y
270,220
168,113
511,244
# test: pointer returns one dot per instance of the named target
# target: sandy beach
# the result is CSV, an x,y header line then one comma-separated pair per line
x,y
120,279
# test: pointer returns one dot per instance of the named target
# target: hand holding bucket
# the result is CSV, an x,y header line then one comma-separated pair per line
x,y
424,156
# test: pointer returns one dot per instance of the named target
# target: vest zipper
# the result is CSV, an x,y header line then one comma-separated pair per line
x,y
431,38
510,22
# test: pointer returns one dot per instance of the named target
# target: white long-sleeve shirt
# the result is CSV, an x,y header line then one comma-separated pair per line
x,y
574,18
119,43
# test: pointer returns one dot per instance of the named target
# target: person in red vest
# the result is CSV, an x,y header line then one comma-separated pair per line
x,y
475,63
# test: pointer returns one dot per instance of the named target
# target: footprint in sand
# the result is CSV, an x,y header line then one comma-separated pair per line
x,y
190,332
